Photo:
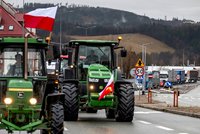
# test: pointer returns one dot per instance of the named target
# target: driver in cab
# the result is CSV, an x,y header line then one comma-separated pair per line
x,y
92,58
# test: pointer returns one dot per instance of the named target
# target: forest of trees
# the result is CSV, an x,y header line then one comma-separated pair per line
x,y
184,37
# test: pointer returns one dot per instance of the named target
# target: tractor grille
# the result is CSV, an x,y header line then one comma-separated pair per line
x,y
104,70
105,74
95,70
95,74
98,87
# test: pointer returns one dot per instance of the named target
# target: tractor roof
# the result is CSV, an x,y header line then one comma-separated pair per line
x,y
93,42
20,41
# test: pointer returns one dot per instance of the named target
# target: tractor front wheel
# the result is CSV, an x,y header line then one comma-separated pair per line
x,y
71,104
126,103
56,120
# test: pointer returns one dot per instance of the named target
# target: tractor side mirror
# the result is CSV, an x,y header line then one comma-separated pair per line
x,y
56,51
70,53
123,53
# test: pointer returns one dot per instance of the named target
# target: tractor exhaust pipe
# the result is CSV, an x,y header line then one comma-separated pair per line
x,y
26,56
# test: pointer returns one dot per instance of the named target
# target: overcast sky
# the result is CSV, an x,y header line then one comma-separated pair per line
x,y
188,9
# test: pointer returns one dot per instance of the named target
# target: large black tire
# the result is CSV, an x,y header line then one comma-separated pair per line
x,y
56,116
57,119
71,104
110,113
126,103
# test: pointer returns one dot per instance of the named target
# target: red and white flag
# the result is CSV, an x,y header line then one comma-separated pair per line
x,y
42,18
108,89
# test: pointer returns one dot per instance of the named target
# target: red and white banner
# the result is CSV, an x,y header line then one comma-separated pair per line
x,y
108,89
42,18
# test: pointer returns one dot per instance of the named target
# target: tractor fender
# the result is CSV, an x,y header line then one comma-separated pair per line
x,y
119,75
54,98
118,82
75,81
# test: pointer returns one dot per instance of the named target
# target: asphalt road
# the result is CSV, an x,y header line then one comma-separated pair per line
x,y
145,121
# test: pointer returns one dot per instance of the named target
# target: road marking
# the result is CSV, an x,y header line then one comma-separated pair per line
x,y
165,128
65,129
143,112
145,122
183,133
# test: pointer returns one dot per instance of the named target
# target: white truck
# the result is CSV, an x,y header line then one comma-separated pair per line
x,y
163,77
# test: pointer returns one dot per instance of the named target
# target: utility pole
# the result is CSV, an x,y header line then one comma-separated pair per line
x,y
183,56
144,60
60,29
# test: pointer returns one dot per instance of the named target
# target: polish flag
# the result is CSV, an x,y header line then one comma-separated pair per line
x,y
108,89
42,18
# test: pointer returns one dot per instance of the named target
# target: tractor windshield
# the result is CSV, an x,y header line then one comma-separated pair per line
x,y
11,62
93,55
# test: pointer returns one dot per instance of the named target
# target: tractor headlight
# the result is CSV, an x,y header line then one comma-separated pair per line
x,y
106,80
7,101
33,101
56,81
93,80
71,66
91,87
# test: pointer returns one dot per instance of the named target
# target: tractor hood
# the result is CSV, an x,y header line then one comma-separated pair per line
x,y
98,71
20,91
16,83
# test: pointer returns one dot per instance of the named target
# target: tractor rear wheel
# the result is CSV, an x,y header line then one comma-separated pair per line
x,y
110,113
126,103
71,104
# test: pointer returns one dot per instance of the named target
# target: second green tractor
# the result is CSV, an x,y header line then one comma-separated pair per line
x,y
92,69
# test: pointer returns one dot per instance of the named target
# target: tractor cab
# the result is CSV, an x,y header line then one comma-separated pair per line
x,y
86,53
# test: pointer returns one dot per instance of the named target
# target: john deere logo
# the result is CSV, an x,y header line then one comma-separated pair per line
x,y
20,95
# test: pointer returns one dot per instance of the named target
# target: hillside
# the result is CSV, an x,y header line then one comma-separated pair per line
x,y
181,35
134,42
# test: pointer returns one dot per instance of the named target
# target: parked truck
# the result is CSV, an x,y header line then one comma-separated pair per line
x,y
192,76
176,76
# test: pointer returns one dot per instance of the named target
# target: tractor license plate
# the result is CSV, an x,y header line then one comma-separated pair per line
x,y
20,95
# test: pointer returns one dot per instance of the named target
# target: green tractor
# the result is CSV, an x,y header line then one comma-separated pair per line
x,y
29,100
94,82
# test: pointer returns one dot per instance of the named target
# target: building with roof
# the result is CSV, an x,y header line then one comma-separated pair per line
x,y
11,21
